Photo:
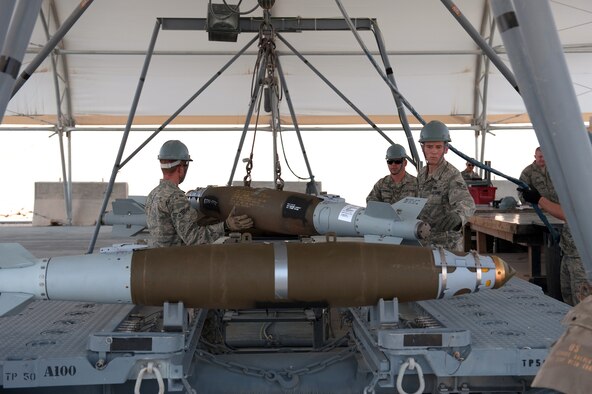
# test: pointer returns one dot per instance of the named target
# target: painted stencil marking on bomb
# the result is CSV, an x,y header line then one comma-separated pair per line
x,y
295,207
246,197
211,203
412,201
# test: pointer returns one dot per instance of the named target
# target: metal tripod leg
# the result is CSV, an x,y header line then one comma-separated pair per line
x,y
347,101
313,186
254,98
128,126
398,102
384,78
118,163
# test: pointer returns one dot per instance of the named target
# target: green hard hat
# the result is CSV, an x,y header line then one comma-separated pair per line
x,y
174,150
434,131
508,202
396,151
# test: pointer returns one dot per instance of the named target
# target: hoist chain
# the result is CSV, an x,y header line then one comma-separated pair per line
x,y
249,167
287,378
279,182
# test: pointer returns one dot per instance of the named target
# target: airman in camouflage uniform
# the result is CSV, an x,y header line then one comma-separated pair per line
x,y
449,202
469,172
537,176
172,221
169,216
573,279
398,184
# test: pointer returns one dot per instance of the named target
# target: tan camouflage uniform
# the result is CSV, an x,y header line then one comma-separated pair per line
x,y
172,221
468,175
386,190
567,366
539,177
572,278
448,207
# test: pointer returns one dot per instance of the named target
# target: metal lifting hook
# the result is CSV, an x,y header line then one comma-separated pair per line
x,y
411,364
151,369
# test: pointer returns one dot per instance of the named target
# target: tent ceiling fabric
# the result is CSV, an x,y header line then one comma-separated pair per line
x,y
433,58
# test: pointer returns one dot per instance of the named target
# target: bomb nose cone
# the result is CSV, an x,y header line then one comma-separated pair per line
x,y
503,272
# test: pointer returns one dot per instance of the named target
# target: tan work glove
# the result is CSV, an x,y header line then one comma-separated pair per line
x,y
238,222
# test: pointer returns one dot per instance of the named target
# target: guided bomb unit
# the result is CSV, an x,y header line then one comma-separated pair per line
x,y
291,213
249,275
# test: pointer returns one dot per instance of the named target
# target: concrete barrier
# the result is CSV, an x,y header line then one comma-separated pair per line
x,y
87,198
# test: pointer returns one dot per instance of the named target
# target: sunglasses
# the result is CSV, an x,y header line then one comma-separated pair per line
x,y
398,161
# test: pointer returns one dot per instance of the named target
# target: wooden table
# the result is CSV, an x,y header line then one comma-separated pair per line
x,y
524,227
521,227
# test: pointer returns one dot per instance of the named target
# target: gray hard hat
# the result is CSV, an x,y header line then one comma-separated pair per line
x,y
508,202
434,131
174,150
396,151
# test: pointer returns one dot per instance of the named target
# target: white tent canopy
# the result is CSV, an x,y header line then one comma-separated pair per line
x,y
435,64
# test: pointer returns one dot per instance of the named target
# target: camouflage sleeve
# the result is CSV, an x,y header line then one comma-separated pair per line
x,y
526,177
184,220
411,186
450,222
461,201
375,194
